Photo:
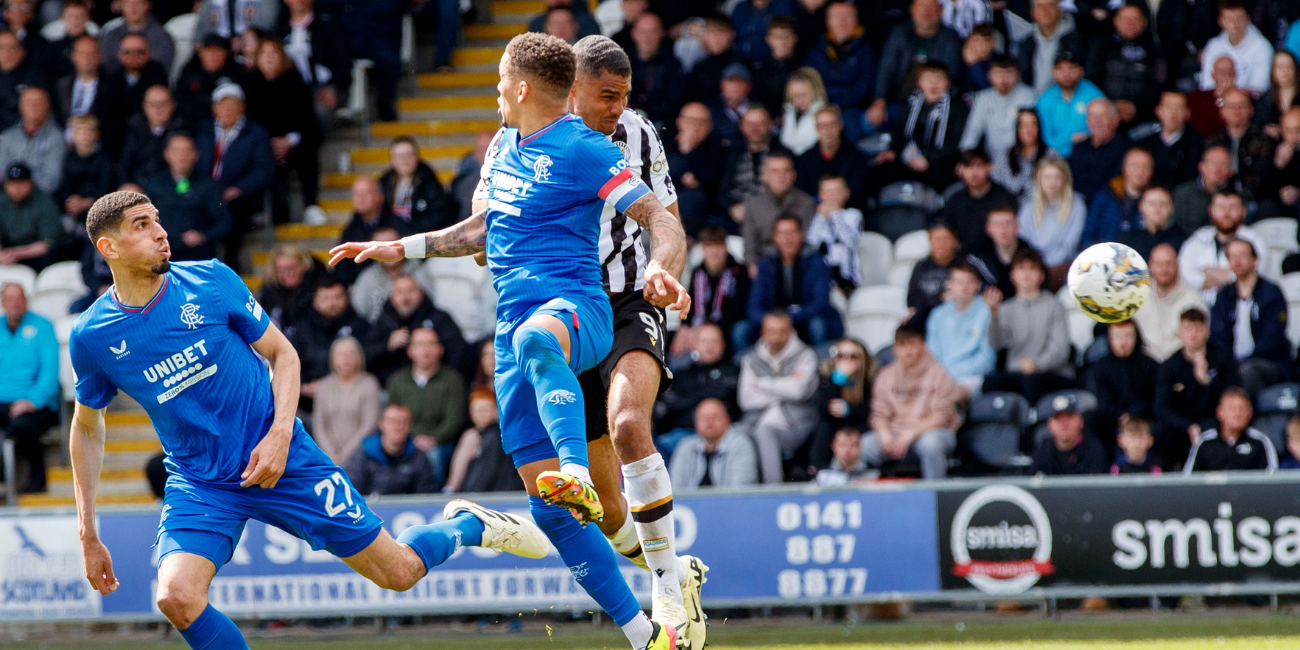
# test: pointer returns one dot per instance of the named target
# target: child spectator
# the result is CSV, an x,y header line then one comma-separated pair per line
x,y
848,466
1135,441
913,411
834,232
958,331
1031,328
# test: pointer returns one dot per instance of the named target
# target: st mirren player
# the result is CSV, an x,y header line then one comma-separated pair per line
x,y
620,393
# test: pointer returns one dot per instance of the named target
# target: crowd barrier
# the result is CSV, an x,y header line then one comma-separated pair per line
x,y
952,540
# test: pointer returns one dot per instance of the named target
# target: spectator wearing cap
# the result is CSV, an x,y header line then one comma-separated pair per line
x,y
1233,445
832,155
657,87
1176,148
321,50
922,40
137,18
795,281
927,134
1099,157
1240,40
17,72
1250,147
189,203
29,386
1071,450
211,64
992,120
146,136
1063,107
1188,386
35,140
78,92
1126,65
913,408
236,154
125,85
706,74
30,226
1053,33
847,64
1249,318
732,102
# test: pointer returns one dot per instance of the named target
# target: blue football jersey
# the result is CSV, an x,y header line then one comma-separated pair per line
x,y
546,194
185,357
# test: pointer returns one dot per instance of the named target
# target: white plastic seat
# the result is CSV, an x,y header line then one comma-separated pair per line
x,y
875,254
1290,286
736,246
1080,327
457,267
900,274
1278,232
64,275
24,276
881,300
1066,299
876,332
459,297
1293,321
914,246
53,304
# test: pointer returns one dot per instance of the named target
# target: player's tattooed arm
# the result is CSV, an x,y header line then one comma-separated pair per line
x,y
465,238
666,243
665,239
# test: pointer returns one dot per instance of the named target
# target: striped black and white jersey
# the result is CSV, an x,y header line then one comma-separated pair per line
x,y
623,253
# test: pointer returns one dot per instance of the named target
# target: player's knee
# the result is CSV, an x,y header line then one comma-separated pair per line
x,y
536,347
180,606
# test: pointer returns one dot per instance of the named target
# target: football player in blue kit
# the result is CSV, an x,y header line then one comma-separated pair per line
x,y
550,179
183,340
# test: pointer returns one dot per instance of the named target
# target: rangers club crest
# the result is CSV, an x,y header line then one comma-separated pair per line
x,y
542,168
190,315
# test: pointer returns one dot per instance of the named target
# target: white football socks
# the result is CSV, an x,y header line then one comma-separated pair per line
x,y
577,471
650,497
638,631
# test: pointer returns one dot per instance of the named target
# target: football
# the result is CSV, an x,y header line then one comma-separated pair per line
x,y
1109,282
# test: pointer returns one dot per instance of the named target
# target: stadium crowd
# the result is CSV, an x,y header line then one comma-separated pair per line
x,y
805,139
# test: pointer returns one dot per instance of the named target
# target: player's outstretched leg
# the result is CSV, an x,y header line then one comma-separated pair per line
x,y
541,358
182,597
591,560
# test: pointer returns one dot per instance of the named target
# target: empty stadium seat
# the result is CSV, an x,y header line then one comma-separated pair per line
x,y
20,274
900,274
63,275
902,208
1080,327
993,429
1273,408
67,378
914,246
1280,235
1293,321
736,246
53,304
1290,284
875,254
874,313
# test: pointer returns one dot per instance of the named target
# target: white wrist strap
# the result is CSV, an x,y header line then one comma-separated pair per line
x,y
414,247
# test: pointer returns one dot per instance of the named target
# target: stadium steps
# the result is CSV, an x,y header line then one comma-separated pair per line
x,y
131,442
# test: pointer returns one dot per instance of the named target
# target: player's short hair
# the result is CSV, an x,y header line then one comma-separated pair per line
x,y
106,214
543,60
85,119
597,54
1192,315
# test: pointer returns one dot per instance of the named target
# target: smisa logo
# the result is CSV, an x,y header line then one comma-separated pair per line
x,y
1006,554
1252,542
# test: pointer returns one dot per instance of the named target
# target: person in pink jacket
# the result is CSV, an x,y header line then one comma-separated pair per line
x,y
913,408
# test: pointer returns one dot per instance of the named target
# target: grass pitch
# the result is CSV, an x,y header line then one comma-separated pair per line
x,y
1074,632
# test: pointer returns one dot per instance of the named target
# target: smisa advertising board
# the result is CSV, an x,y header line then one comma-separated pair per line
x,y
1006,539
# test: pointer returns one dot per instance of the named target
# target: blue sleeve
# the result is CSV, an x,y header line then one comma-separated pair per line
x,y
46,390
245,314
94,388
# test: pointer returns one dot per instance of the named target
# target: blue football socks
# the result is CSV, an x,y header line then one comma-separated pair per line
x,y
590,559
559,397
435,542
213,630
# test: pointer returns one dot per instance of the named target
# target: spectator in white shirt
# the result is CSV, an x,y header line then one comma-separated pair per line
x,y
1203,259
1244,44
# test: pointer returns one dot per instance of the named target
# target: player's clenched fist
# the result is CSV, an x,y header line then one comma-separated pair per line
x,y
383,251
99,566
664,291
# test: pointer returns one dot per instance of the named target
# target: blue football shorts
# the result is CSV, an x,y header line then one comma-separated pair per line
x,y
314,500
590,324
